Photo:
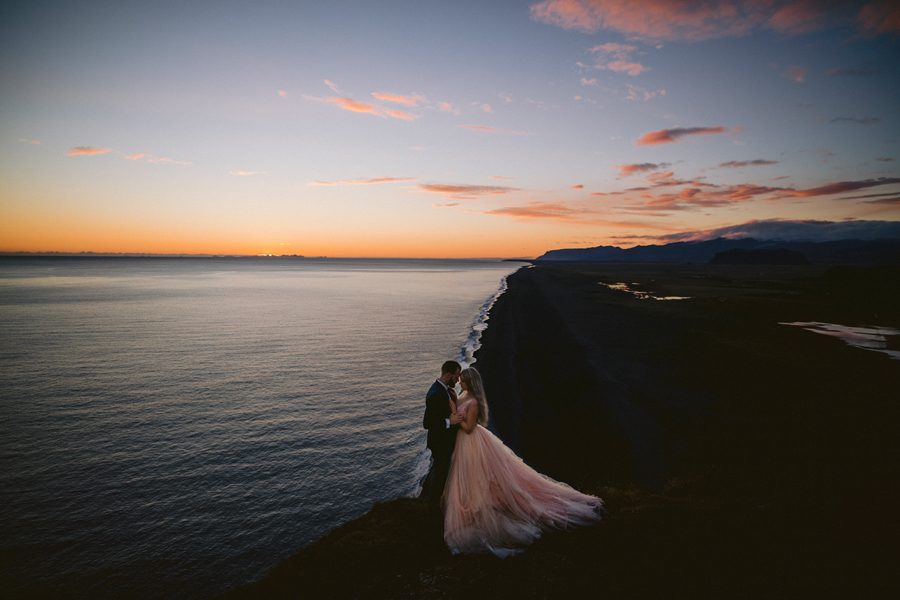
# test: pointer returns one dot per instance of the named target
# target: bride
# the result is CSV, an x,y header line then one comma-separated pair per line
x,y
493,501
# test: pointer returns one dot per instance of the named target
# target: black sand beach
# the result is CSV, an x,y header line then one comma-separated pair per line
x,y
738,457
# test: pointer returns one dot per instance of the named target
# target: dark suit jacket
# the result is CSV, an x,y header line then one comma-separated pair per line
x,y
437,409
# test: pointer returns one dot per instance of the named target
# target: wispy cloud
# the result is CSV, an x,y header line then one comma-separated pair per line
x,y
884,160
513,179
466,190
87,150
633,169
671,136
165,160
700,194
492,129
143,156
282,93
737,164
636,93
842,187
863,121
332,86
538,210
864,196
861,71
591,81
35,142
577,187
882,16
245,173
349,104
617,57
796,73
408,100
374,180
687,20
364,107
399,114
564,212
799,16
445,106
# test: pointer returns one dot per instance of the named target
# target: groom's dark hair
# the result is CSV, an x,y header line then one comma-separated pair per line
x,y
451,366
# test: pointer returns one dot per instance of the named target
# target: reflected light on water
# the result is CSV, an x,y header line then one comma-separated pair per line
x,y
623,287
868,338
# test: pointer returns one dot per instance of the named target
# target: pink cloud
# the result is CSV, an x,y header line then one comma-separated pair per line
x,y
445,106
621,54
408,100
245,173
876,18
577,187
486,108
470,190
165,160
88,150
671,136
35,142
884,160
136,156
399,114
568,213
802,16
491,129
512,179
282,93
349,104
591,81
537,210
332,86
796,73
633,169
365,181
363,107
695,20
842,187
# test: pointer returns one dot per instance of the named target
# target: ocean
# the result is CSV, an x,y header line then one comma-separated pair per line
x,y
173,427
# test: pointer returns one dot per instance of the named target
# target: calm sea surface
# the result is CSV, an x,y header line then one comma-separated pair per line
x,y
171,428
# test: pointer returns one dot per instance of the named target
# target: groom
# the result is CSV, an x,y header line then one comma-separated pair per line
x,y
442,425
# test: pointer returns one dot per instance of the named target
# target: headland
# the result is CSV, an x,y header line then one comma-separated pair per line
x,y
738,455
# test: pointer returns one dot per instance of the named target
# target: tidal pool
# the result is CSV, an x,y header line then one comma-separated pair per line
x,y
867,338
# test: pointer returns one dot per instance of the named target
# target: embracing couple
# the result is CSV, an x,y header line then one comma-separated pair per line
x,y
491,500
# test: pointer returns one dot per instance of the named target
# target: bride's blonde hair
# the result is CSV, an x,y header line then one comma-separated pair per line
x,y
472,379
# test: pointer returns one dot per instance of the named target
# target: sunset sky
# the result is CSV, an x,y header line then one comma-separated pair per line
x,y
444,129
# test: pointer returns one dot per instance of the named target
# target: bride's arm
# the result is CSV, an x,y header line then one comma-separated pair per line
x,y
471,418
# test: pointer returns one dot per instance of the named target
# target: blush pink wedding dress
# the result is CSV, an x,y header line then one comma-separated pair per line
x,y
494,502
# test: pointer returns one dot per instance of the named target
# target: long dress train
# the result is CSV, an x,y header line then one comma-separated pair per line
x,y
494,502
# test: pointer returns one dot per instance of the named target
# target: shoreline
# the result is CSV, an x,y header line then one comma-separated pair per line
x,y
736,456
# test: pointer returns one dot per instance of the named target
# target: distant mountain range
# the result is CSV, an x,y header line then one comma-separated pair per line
x,y
852,252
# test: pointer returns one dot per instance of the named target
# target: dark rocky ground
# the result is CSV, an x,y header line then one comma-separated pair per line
x,y
738,457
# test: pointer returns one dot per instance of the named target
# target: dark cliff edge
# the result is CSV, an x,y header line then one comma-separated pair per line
x,y
738,457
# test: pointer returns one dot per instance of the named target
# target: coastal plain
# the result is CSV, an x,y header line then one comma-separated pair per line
x,y
738,454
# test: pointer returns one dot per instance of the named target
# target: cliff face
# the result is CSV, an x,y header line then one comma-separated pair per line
x,y
545,400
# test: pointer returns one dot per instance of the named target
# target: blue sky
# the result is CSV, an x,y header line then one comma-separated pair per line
x,y
442,129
